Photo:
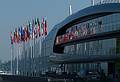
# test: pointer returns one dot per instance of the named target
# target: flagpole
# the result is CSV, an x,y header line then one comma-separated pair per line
x,y
39,52
32,48
40,45
23,57
20,59
30,56
26,56
11,58
17,57
14,58
33,55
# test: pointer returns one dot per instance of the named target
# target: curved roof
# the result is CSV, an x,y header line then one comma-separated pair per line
x,y
92,10
103,8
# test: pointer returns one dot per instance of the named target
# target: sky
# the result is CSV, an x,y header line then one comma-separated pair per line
x,y
14,13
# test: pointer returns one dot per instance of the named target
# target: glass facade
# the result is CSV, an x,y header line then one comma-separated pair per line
x,y
100,47
98,25
95,26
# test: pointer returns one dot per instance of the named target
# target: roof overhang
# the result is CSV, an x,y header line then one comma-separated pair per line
x,y
84,59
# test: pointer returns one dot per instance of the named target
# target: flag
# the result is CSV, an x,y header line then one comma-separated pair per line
x,y
19,32
22,34
38,22
42,26
35,21
33,24
11,38
27,31
17,35
45,27
26,35
14,37
33,29
35,32
66,38
30,29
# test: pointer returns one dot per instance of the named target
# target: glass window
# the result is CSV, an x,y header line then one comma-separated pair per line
x,y
102,24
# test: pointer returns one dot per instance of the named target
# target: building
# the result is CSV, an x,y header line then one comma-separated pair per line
x,y
87,40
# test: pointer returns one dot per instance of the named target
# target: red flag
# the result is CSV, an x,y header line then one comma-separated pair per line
x,y
17,36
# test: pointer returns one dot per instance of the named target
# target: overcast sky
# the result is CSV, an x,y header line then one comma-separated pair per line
x,y
14,13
